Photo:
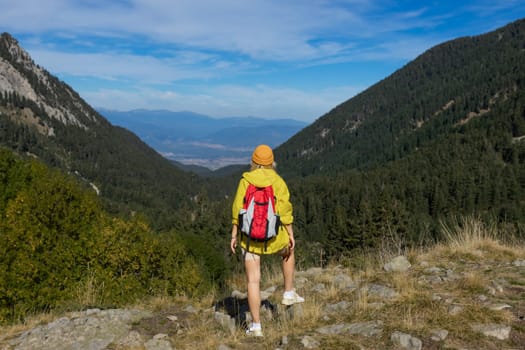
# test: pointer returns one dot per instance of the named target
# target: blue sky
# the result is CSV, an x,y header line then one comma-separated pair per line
x,y
265,58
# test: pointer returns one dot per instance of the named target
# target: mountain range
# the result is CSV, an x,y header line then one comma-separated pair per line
x,y
441,135
197,139
45,118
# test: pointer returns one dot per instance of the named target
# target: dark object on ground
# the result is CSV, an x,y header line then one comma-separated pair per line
x,y
237,308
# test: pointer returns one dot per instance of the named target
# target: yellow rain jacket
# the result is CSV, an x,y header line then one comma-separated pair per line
x,y
283,207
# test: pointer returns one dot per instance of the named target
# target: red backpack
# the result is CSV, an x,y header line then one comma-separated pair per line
x,y
257,218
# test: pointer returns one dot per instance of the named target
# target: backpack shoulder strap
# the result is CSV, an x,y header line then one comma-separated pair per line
x,y
270,194
250,190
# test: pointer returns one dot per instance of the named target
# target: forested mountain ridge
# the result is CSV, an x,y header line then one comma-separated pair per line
x,y
44,117
439,138
436,94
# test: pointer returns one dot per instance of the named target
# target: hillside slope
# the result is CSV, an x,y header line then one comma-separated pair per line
x,y
440,93
441,137
465,294
44,117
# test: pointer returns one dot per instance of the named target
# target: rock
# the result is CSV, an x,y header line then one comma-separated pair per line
x,y
93,329
238,295
366,329
455,309
268,310
90,312
133,340
294,312
265,294
519,263
319,288
499,306
338,307
284,340
495,288
158,342
380,291
333,329
343,281
271,289
483,298
406,341
433,270
451,276
432,279
498,331
438,334
437,297
398,264
191,309
309,342
225,321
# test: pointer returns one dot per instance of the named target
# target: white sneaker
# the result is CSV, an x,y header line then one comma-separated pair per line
x,y
254,332
291,298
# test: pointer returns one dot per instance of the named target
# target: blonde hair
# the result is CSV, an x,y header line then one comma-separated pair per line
x,y
254,166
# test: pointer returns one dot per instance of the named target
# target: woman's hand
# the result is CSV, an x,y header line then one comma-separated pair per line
x,y
233,241
233,244
289,229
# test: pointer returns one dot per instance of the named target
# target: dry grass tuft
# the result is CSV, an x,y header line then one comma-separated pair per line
x,y
474,282
30,322
156,303
471,239
90,291
470,234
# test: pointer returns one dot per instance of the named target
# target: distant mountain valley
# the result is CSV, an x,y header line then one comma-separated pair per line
x,y
195,139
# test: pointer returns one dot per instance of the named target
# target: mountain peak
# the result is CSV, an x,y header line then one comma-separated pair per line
x,y
55,100
10,46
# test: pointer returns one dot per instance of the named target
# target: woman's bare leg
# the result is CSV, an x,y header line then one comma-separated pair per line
x,y
289,271
252,266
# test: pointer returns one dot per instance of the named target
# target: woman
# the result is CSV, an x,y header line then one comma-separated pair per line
x,y
263,174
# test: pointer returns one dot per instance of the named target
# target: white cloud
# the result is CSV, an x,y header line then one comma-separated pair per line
x,y
272,30
141,52
230,100
131,68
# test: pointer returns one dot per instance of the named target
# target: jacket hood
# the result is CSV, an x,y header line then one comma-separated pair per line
x,y
261,177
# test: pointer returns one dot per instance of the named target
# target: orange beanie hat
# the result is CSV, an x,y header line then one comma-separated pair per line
x,y
263,155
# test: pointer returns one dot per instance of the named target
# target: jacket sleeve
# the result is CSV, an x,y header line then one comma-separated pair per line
x,y
284,206
238,200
